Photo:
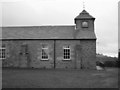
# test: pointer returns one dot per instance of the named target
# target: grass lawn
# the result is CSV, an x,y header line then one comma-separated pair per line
x,y
36,78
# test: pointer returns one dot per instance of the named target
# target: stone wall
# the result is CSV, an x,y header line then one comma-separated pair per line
x,y
27,53
15,56
88,53
60,62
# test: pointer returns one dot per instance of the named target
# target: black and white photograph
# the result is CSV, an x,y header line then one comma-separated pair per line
x,y
59,44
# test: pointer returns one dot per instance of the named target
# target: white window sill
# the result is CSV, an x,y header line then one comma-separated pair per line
x,y
44,59
66,59
2,58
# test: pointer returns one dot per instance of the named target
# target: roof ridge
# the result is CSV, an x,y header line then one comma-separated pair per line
x,y
37,26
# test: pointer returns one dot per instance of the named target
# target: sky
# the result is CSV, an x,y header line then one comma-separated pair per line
x,y
63,12
119,25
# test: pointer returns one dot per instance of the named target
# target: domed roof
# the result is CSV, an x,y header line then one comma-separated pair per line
x,y
84,15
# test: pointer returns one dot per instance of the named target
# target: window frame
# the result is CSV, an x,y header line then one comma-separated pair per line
x,y
44,48
2,56
67,55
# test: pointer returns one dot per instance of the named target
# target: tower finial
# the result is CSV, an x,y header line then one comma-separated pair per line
x,y
83,5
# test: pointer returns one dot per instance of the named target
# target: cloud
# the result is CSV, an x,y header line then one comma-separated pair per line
x,y
119,24
109,48
11,0
0,14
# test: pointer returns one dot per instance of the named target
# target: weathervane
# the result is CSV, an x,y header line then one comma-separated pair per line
x,y
83,5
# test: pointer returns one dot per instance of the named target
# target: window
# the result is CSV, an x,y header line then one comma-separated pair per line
x,y
66,53
45,53
2,53
85,24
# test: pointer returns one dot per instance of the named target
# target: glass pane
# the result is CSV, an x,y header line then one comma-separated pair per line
x,y
44,54
2,53
66,53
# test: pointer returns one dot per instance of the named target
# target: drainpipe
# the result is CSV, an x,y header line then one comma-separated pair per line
x,y
54,53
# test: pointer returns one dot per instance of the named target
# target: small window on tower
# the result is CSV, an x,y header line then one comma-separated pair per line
x,y
85,24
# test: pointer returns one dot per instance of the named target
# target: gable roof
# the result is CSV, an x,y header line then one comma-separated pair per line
x,y
45,32
38,32
84,15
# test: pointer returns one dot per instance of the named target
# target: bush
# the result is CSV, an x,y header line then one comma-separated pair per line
x,y
98,63
111,64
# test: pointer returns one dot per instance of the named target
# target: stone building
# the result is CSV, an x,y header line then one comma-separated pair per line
x,y
72,46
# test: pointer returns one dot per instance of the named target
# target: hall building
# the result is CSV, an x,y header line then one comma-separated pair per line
x,y
67,46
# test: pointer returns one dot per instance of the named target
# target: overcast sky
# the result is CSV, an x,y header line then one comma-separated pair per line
x,y
63,12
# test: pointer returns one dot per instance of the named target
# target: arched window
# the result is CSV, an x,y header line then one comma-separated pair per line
x,y
85,24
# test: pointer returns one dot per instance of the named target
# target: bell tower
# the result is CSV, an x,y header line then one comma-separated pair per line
x,y
84,32
84,21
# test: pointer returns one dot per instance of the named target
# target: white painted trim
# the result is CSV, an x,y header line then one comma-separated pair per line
x,y
47,54
64,47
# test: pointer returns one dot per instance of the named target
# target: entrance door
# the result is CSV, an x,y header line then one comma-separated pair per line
x,y
24,56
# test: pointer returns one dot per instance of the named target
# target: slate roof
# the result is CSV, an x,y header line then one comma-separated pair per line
x,y
45,32
84,15
85,34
